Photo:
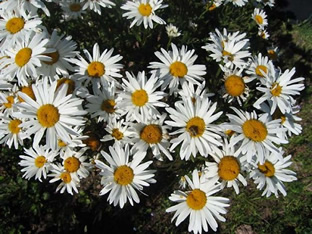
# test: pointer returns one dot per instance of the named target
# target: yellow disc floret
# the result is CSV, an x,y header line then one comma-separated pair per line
x,y
23,56
145,9
14,126
195,126
255,130
27,90
15,25
40,161
123,175
259,19
96,69
234,85
151,134
178,69
139,97
196,199
276,90
267,169
10,102
260,69
108,106
65,177
75,7
48,115
118,135
54,57
228,168
71,84
71,164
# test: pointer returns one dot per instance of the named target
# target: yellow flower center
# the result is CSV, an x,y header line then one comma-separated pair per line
x,y
255,130
139,97
10,102
61,143
70,83
151,134
226,53
96,69
279,115
118,135
15,25
145,9
54,57
267,169
23,56
229,132
259,19
65,176
276,90
261,69
27,90
71,164
40,161
178,69
123,175
212,7
195,126
196,199
93,142
234,85
48,115
108,106
229,168
75,7
13,126
272,54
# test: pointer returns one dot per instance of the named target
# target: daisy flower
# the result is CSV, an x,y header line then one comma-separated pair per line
x,y
269,3
139,99
196,131
238,3
152,133
177,66
273,52
143,11
263,33
96,5
227,167
189,91
260,17
121,178
257,135
271,174
52,112
280,90
213,4
72,9
64,51
118,131
101,68
68,182
172,31
202,208
7,102
36,162
14,25
25,57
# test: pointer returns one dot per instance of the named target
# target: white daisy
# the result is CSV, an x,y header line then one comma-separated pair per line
x,y
273,52
53,112
118,131
121,178
202,208
269,3
172,31
139,98
271,174
263,33
196,131
256,134
101,68
7,102
238,3
260,17
152,133
96,5
280,89
37,161
72,9
143,11
188,91
213,4
177,66
228,166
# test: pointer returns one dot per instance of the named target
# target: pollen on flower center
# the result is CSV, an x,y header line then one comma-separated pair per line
x,y
10,102
195,126
108,106
276,90
151,134
96,69
48,115
260,69
65,176
118,135
27,90
145,9
69,82
178,69
40,161
234,85
255,130
123,175
196,199
259,19
54,57
61,143
14,126
15,25
226,53
75,7
23,56
139,97
229,168
71,164
267,169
